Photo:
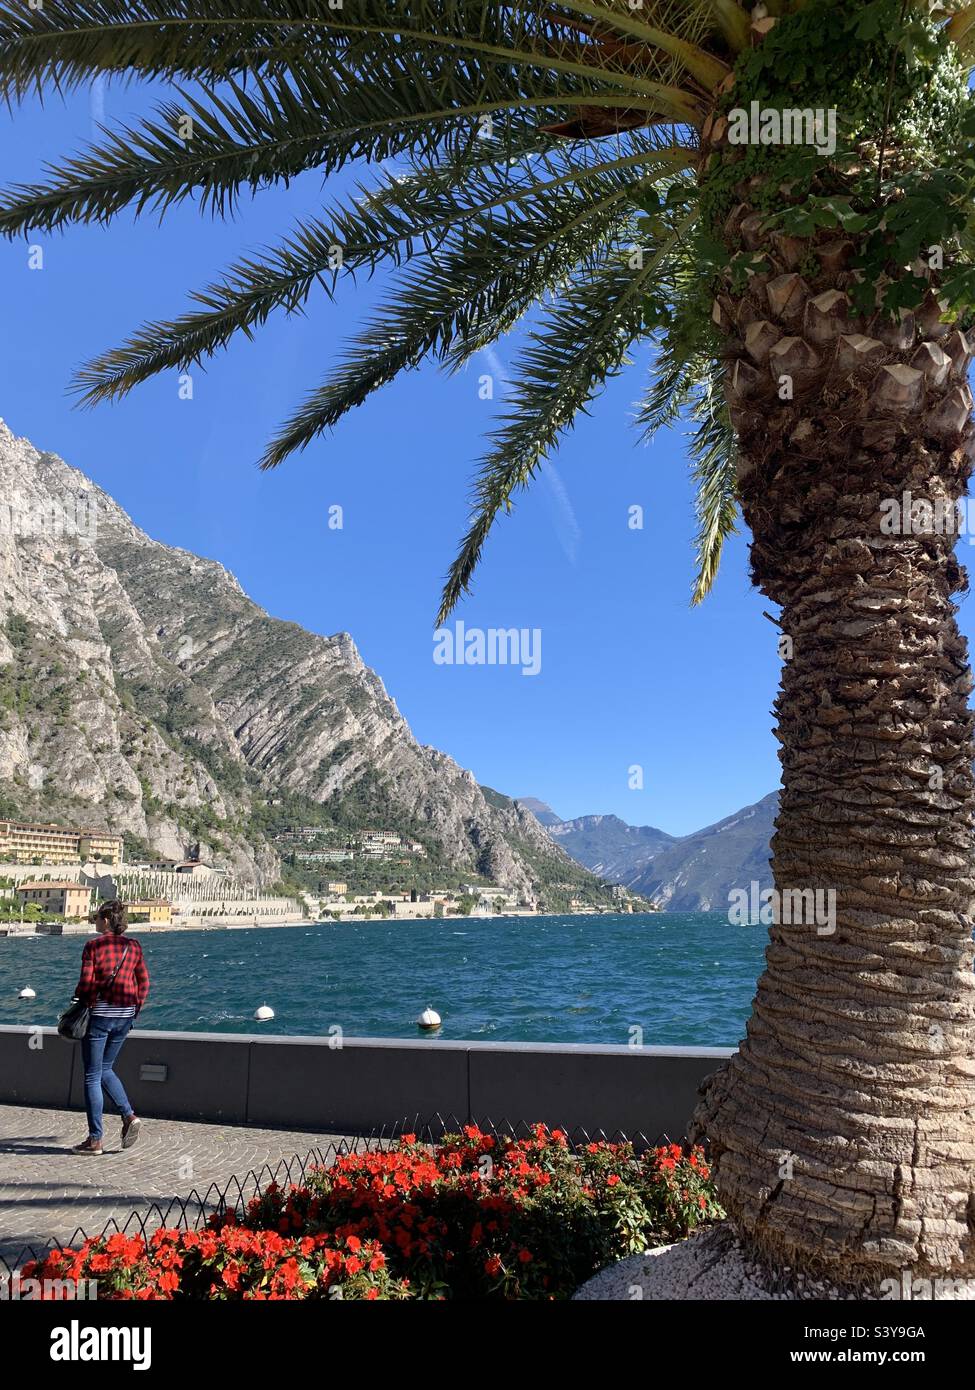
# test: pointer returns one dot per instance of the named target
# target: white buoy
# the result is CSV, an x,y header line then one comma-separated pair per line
x,y
27,993
428,1020
263,1013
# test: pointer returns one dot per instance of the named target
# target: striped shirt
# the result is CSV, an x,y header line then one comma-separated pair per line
x,y
104,1010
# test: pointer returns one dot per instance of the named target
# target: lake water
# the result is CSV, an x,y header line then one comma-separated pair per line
x,y
683,978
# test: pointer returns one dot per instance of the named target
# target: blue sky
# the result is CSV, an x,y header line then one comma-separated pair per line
x,y
630,674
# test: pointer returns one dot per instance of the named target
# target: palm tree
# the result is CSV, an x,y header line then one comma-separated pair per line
x,y
622,173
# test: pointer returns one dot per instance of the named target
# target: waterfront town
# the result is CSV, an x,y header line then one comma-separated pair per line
x,y
52,877
366,844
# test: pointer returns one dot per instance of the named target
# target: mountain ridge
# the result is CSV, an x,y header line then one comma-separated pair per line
x,y
140,687
685,873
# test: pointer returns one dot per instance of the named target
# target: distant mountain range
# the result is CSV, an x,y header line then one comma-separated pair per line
x,y
542,813
686,873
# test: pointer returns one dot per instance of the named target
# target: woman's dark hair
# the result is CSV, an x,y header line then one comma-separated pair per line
x,y
116,914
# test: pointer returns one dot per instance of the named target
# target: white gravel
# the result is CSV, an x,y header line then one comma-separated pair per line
x,y
711,1266
707,1266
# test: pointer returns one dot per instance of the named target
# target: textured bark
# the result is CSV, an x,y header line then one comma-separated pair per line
x,y
844,1129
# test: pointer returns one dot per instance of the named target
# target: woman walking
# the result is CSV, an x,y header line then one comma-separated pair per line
x,y
115,983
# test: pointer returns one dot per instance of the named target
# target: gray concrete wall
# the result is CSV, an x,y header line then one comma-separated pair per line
x,y
309,1083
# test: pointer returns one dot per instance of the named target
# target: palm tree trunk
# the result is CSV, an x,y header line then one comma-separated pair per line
x,y
843,1131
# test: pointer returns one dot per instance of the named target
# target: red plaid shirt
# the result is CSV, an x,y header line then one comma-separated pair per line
x,y
99,958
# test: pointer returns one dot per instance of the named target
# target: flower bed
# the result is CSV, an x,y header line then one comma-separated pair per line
x,y
476,1216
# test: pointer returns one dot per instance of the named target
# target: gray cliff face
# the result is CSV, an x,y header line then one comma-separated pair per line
x,y
690,873
610,847
697,872
141,688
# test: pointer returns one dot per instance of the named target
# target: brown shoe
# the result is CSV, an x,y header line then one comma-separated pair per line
x,y
130,1131
90,1146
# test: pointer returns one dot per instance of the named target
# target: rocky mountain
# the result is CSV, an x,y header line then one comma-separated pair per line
x,y
696,872
688,873
542,812
140,688
621,851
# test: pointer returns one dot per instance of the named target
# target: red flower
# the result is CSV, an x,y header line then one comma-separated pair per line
x,y
395,1222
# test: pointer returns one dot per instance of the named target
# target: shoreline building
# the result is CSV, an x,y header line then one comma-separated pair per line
x,y
151,911
67,899
34,842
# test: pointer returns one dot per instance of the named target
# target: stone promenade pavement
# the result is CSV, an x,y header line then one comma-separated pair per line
x,y
47,1193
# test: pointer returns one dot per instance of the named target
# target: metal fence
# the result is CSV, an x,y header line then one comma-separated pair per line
x,y
193,1211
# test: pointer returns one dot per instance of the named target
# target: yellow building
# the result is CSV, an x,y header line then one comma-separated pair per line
x,y
68,899
151,910
98,844
27,842
337,888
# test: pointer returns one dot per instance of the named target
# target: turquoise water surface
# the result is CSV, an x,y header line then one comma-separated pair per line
x,y
684,978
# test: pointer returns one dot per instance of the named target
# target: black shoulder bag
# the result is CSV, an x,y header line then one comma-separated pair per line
x,y
73,1023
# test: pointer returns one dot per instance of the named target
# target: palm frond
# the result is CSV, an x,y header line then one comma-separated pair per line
x,y
487,274
715,470
584,339
734,22
69,41
467,201
62,44
671,388
708,70
686,383
479,229
237,139
253,138
271,128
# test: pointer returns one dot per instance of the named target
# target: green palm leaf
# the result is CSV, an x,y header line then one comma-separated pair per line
x,y
715,459
584,339
495,208
486,275
457,202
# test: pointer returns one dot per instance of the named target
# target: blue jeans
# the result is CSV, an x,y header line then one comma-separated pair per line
x,y
99,1048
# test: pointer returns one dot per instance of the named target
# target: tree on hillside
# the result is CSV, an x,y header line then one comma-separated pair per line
x,y
624,176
